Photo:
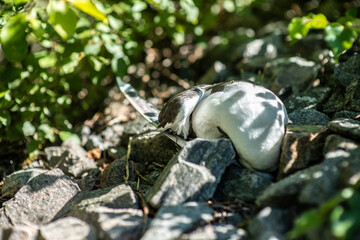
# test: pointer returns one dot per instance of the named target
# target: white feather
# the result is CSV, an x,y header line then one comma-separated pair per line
x,y
253,118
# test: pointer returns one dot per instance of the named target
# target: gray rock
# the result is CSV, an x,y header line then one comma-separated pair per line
x,y
270,223
294,72
238,183
218,232
4,220
113,223
336,142
137,126
336,101
120,196
218,72
84,133
302,146
171,222
348,71
116,152
111,135
347,127
95,141
71,158
311,99
311,186
20,232
346,114
352,100
41,199
16,180
114,173
152,146
67,228
193,174
258,52
308,117
89,180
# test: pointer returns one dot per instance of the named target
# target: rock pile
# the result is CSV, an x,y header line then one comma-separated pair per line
x,y
151,189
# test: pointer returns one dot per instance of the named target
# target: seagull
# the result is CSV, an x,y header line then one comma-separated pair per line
x,y
253,117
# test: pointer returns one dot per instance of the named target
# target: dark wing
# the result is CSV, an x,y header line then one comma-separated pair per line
x,y
173,107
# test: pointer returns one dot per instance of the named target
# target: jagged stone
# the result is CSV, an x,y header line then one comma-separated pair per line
x,y
239,183
295,72
347,127
352,99
193,174
112,135
311,186
216,231
255,54
67,228
311,99
135,127
308,117
89,180
120,196
116,152
348,71
171,222
336,142
152,146
41,199
114,173
95,141
270,223
20,232
71,158
218,72
346,114
16,180
113,223
302,146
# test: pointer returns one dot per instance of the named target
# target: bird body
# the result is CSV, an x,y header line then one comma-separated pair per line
x,y
252,117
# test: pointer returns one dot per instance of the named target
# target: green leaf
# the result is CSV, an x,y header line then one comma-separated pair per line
x,y
87,7
62,17
341,223
297,28
32,148
318,21
5,119
115,23
351,12
138,6
309,220
47,61
13,39
28,129
339,37
3,93
14,29
191,11
119,65
69,136
14,133
47,132
93,47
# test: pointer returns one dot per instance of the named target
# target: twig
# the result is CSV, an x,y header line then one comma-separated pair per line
x,y
145,210
143,178
127,172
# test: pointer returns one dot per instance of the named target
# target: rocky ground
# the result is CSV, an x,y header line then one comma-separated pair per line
x,y
128,181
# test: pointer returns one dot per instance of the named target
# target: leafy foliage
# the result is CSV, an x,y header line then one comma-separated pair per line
x,y
339,215
339,35
58,58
